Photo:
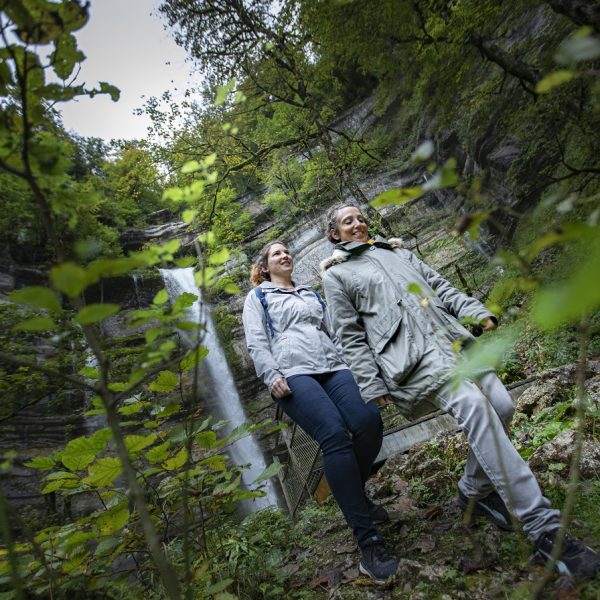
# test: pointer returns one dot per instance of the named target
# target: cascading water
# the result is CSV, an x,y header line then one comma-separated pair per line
x,y
226,403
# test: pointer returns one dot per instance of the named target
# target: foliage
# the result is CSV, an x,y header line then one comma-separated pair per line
x,y
452,77
141,482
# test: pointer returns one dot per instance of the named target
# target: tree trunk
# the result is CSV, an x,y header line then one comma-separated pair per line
x,y
504,60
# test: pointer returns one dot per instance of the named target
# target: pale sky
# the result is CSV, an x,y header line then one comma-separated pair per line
x,y
125,46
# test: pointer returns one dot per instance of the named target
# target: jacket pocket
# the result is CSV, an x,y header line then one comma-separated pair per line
x,y
384,329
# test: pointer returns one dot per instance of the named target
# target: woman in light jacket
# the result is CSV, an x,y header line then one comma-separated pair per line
x,y
398,322
290,340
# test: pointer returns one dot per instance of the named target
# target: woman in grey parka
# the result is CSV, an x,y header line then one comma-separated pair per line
x,y
398,322
294,350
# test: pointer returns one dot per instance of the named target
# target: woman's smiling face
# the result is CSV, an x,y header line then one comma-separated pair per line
x,y
279,262
351,225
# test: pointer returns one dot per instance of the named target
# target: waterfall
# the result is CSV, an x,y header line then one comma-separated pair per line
x,y
224,398
136,288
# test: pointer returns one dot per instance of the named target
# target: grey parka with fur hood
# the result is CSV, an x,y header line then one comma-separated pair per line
x,y
396,319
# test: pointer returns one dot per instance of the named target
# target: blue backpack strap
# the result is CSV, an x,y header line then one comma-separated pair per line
x,y
321,301
261,296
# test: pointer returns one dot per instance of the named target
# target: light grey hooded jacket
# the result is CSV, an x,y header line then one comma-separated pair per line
x,y
303,343
396,319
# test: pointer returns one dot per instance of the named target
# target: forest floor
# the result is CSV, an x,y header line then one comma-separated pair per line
x,y
441,558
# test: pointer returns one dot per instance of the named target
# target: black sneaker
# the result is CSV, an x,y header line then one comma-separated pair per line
x,y
491,506
575,560
377,562
377,513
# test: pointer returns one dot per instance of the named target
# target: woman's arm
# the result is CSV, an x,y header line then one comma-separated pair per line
x,y
457,303
348,327
257,341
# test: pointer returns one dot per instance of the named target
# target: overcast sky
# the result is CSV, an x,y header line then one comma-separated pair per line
x,y
126,45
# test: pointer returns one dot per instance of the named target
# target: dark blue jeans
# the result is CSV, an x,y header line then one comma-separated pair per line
x,y
349,432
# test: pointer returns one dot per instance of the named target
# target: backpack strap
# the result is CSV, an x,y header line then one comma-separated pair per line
x,y
321,301
263,300
261,296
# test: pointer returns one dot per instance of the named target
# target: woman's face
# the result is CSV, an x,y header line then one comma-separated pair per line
x,y
351,225
279,262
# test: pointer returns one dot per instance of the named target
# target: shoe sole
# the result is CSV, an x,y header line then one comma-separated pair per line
x,y
540,558
377,581
488,513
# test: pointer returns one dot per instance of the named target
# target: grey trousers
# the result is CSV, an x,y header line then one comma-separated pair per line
x,y
483,412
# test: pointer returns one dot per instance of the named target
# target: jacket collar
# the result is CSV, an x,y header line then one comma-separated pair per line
x,y
344,250
268,286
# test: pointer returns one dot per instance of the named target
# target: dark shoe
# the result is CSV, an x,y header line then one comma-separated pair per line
x,y
376,561
377,513
491,507
575,560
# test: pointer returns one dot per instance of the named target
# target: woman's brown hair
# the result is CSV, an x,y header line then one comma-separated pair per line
x,y
332,218
257,275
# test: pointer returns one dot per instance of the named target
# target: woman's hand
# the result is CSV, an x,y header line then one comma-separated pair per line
x,y
280,388
489,324
382,401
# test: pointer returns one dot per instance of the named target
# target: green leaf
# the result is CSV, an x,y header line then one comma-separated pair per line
x,y
222,91
153,333
190,167
69,278
66,56
568,302
194,358
112,521
206,439
397,196
217,587
158,453
483,355
165,382
41,463
231,288
444,177
189,215
89,372
579,47
269,472
56,475
161,297
423,152
40,297
81,451
136,443
111,90
186,261
92,313
105,545
414,288
553,80
174,194
35,324
177,461
103,472
59,484
133,408
209,160
220,257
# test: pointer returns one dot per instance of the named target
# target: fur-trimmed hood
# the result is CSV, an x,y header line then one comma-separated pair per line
x,y
344,250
